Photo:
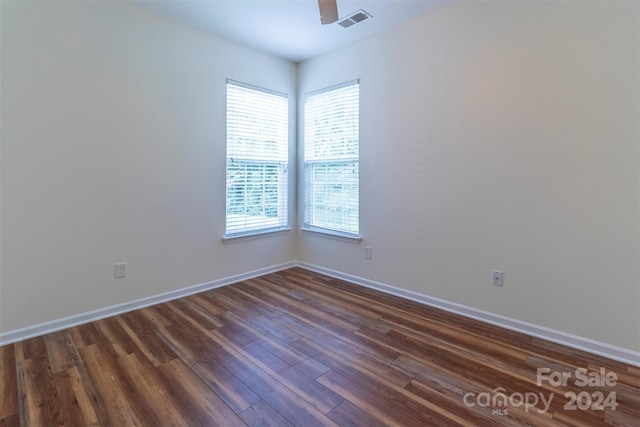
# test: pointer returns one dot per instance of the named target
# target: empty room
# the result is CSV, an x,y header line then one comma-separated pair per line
x,y
331,213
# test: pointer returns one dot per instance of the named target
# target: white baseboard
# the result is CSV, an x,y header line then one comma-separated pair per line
x,y
90,316
581,343
574,341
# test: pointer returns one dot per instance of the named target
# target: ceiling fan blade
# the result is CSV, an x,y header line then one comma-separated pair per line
x,y
328,11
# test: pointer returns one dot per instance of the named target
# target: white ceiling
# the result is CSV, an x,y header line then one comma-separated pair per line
x,y
289,29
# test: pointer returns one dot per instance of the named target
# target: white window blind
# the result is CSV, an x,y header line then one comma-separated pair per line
x,y
331,159
257,154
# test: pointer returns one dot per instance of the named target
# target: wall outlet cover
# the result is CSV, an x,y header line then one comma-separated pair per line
x,y
120,270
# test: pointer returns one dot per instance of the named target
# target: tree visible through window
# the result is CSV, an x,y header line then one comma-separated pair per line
x,y
331,153
257,154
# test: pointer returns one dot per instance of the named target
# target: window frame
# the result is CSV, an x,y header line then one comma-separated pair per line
x,y
281,162
308,226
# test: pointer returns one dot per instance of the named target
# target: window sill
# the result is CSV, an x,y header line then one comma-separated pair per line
x,y
329,234
241,237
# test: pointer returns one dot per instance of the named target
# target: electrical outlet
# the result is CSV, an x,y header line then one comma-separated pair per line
x,y
496,277
367,253
121,270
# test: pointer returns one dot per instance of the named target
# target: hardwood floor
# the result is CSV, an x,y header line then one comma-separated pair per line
x,y
297,348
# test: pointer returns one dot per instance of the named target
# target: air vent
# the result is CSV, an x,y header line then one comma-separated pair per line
x,y
346,23
359,17
354,18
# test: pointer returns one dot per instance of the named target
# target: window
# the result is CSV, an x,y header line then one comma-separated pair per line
x,y
257,154
331,159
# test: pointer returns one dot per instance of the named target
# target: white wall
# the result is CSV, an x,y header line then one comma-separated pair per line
x,y
113,145
501,135
493,136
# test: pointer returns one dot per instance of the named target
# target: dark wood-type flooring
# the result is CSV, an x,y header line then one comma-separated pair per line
x,y
296,348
